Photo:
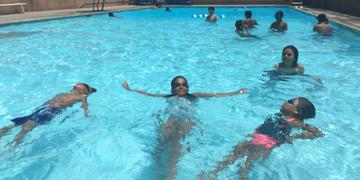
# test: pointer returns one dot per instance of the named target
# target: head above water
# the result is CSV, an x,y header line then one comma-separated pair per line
x,y
248,14
211,10
322,18
239,25
83,88
179,85
279,15
294,51
302,108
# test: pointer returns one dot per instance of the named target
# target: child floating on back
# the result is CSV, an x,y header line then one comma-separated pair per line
x,y
49,110
180,120
274,132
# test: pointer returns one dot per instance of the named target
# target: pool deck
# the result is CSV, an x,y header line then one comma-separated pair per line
x,y
343,19
54,14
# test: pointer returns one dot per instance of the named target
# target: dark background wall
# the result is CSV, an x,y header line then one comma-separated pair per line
x,y
351,7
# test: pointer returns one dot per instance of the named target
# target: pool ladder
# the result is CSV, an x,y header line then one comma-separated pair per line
x,y
97,3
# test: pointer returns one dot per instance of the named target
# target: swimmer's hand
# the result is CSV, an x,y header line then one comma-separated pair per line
x,y
242,91
125,85
290,139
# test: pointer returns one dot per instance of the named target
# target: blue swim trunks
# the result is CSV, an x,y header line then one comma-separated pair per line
x,y
42,115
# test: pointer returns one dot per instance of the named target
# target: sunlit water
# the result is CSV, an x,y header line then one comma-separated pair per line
x,y
148,48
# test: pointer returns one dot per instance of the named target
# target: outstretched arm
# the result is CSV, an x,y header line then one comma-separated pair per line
x,y
85,105
208,95
310,133
125,85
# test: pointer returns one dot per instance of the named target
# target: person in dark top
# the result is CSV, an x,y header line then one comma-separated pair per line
x,y
180,121
275,131
279,25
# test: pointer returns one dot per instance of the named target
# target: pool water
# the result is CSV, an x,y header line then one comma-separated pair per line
x,y
147,48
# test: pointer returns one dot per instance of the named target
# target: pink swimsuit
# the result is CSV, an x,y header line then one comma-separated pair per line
x,y
273,132
262,139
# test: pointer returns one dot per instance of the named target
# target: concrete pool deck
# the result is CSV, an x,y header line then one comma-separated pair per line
x,y
343,19
54,14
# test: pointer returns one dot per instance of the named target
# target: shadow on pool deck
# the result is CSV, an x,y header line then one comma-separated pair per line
x,y
346,20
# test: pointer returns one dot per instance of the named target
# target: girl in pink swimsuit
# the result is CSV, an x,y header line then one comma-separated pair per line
x,y
272,133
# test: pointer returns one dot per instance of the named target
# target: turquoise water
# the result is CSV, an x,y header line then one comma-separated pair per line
x,y
148,48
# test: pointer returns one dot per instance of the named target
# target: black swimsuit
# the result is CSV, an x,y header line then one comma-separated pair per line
x,y
276,127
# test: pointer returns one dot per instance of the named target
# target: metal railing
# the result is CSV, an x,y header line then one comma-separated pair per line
x,y
98,5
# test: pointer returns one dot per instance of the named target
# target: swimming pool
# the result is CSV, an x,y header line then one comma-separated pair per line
x,y
148,48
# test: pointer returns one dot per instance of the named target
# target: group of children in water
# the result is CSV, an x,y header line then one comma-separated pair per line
x,y
275,131
243,27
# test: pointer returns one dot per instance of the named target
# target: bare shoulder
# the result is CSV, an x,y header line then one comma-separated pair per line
x,y
272,25
61,95
277,66
284,25
297,124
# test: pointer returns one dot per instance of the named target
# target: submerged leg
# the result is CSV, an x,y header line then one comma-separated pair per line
x,y
239,152
6,129
174,157
169,146
249,162
25,128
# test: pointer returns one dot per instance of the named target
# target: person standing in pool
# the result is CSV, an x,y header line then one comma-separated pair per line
x,y
279,25
180,120
211,18
242,29
49,110
274,132
250,22
289,64
322,27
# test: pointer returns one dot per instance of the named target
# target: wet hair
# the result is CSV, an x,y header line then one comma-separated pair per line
x,y
88,88
111,14
174,80
280,13
306,108
248,14
238,23
296,53
212,8
322,18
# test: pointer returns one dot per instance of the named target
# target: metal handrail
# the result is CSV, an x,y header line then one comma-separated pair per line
x,y
96,3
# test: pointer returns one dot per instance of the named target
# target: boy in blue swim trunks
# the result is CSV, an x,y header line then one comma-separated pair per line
x,y
49,110
275,131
